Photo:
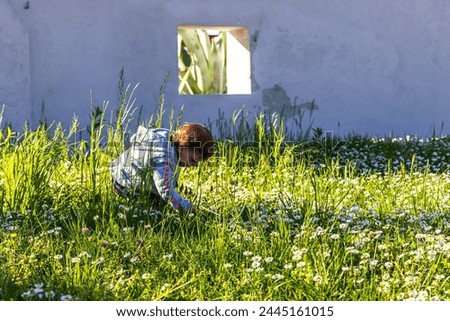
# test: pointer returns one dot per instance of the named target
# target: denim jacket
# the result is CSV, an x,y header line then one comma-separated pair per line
x,y
150,163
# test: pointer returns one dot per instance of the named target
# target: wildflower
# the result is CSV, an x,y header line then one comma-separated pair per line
x,y
256,264
431,255
38,288
401,296
86,230
439,277
66,297
268,259
301,264
352,250
84,253
228,265
135,259
334,236
359,281
318,279
297,256
139,242
345,269
165,286
422,295
247,253
388,265
373,263
168,256
413,294
145,276
384,287
420,236
75,260
27,294
277,276
58,257
343,226
410,279
288,266
98,261
105,244
317,232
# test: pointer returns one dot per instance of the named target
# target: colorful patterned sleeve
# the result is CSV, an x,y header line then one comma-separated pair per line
x,y
164,181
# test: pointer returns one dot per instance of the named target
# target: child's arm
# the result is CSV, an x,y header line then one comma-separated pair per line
x,y
165,185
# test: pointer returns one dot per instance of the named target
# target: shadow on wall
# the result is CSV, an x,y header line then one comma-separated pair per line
x,y
275,100
297,117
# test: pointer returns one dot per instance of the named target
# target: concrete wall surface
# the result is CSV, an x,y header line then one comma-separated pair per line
x,y
373,67
15,82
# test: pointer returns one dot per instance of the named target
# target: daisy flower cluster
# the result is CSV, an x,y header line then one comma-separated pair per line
x,y
387,154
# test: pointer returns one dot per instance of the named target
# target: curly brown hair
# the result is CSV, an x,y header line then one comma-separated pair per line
x,y
195,136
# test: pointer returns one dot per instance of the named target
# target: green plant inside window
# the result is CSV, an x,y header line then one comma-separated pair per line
x,y
202,61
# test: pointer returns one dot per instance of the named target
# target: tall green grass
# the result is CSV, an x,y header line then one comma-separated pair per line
x,y
280,217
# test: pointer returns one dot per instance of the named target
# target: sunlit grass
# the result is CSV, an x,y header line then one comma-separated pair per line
x,y
343,219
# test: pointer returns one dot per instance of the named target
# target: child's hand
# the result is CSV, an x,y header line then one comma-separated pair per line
x,y
187,212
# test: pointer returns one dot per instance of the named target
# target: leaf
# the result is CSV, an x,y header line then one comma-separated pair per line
x,y
195,41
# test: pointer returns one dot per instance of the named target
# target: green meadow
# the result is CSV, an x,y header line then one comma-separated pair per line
x,y
281,215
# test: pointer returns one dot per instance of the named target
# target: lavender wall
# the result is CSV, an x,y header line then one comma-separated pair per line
x,y
373,67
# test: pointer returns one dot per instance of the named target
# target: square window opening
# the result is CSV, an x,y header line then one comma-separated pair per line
x,y
213,60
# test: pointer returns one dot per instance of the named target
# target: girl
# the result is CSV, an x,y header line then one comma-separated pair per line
x,y
150,164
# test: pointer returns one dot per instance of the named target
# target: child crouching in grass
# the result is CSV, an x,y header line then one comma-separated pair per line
x,y
151,164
